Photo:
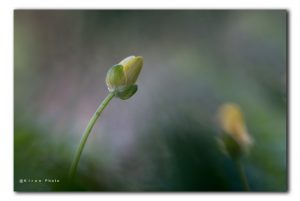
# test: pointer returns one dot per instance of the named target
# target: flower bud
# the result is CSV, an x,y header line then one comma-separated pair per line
x,y
121,78
236,139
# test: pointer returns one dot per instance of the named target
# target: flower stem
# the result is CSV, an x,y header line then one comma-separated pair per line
x,y
87,133
242,174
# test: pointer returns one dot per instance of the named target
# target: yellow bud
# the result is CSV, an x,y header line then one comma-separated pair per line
x,y
121,78
232,123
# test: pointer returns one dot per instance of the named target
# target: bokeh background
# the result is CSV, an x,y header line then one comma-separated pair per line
x,y
164,137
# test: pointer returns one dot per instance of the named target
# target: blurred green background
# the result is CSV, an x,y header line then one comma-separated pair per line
x,y
163,138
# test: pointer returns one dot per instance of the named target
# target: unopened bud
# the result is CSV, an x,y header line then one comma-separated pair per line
x,y
121,78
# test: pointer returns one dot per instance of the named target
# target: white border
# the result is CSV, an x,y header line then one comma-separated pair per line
x,y
6,91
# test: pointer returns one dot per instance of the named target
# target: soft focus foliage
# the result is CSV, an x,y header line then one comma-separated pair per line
x,y
162,138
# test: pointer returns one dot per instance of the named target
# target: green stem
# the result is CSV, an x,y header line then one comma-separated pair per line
x,y
242,174
87,133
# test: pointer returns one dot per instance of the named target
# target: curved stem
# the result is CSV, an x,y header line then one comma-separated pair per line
x,y
87,133
242,174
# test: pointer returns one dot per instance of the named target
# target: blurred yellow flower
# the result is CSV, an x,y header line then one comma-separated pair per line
x,y
232,123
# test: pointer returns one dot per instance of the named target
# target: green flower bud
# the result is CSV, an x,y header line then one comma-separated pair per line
x,y
121,78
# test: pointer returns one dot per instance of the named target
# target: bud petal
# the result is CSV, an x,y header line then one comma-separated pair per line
x,y
115,77
126,92
132,67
